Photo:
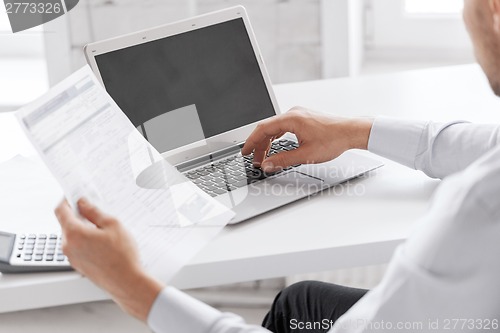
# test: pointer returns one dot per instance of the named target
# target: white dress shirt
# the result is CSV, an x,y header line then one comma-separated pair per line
x,y
445,277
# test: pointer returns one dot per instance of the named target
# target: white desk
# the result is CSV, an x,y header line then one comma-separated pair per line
x,y
322,233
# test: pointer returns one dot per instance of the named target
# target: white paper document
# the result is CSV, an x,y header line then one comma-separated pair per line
x,y
94,151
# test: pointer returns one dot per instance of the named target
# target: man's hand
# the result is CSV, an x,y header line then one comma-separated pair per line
x,y
105,253
321,138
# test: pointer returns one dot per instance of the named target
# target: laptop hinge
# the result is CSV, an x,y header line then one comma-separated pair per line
x,y
213,156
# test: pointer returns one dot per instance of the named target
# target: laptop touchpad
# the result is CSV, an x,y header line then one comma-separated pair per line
x,y
270,193
292,184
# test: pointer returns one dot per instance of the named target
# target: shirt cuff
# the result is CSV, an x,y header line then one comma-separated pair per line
x,y
396,139
175,311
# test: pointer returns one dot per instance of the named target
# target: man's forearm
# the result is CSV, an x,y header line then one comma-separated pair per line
x,y
360,129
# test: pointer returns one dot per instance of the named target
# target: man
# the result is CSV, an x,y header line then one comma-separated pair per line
x,y
445,277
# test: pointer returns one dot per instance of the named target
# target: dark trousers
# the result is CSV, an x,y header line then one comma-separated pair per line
x,y
310,306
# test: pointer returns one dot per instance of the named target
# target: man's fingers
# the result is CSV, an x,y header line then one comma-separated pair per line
x,y
260,154
284,159
252,145
93,214
72,227
265,131
65,215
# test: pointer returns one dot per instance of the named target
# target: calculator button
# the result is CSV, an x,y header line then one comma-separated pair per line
x,y
30,241
23,236
28,252
38,258
29,246
60,258
49,258
20,247
32,236
27,258
42,236
39,252
52,236
50,252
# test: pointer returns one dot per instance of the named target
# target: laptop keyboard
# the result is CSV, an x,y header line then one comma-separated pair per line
x,y
234,172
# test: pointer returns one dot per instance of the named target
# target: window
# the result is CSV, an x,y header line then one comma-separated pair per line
x,y
4,21
431,7
25,44
418,26
22,66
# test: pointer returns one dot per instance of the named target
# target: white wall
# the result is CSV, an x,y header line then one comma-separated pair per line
x,y
288,31
300,39
343,37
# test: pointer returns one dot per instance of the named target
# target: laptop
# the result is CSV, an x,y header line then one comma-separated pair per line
x,y
196,89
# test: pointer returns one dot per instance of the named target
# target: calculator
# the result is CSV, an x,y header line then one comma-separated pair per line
x,y
23,253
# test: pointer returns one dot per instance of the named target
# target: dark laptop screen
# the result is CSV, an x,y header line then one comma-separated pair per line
x,y
187,87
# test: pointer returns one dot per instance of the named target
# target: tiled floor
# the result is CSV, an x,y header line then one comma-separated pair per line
x,y
250,300
95,317
82,318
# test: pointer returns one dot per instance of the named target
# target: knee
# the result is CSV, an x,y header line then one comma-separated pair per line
x,y
296,293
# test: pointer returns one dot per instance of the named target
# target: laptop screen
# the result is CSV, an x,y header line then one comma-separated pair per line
x,y
188,87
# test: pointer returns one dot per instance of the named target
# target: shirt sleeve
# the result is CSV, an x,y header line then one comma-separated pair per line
x,y
437,149
175,311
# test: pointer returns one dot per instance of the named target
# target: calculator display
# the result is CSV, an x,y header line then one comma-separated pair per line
x,y
6,242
